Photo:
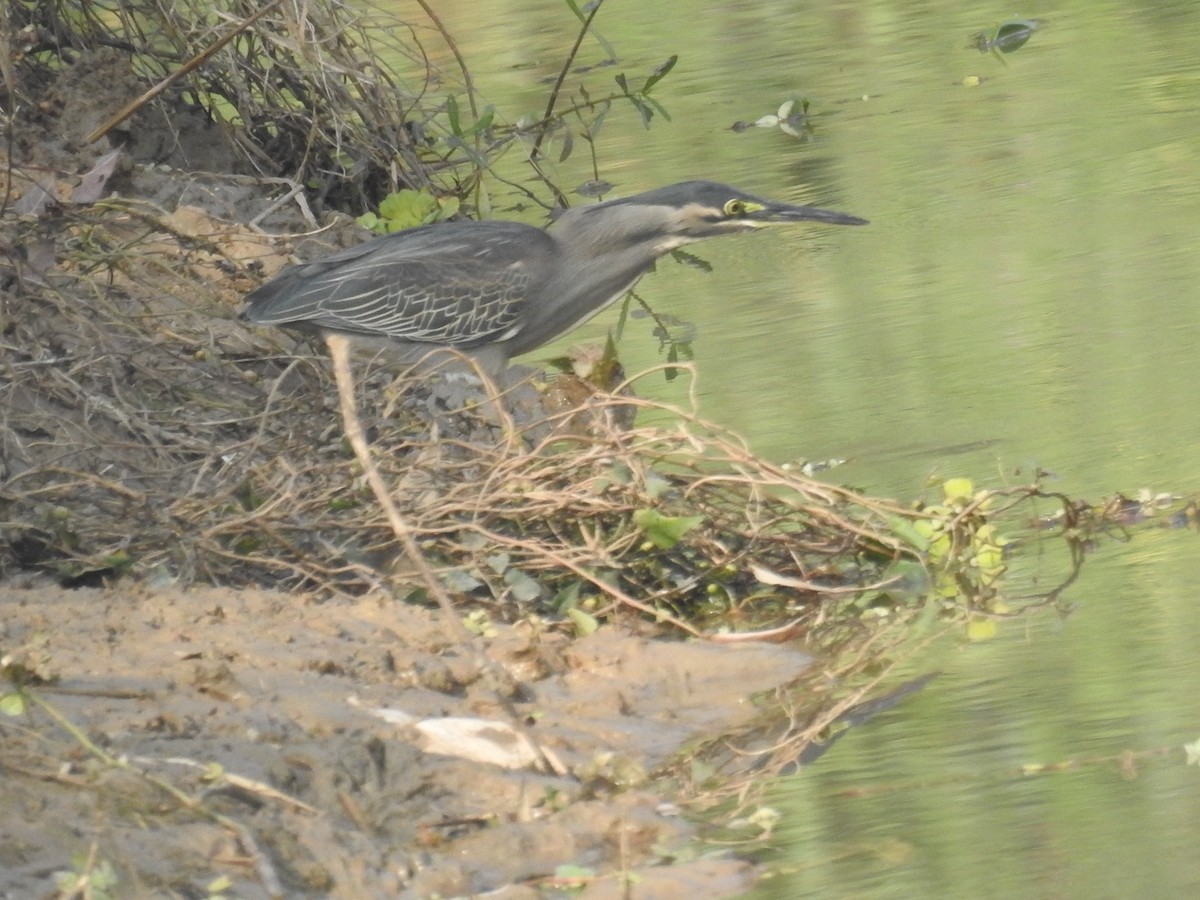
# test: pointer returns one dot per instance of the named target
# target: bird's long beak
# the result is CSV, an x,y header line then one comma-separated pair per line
x,y
771,211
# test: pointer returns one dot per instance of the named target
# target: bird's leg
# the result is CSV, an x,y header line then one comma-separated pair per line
x,y
495,397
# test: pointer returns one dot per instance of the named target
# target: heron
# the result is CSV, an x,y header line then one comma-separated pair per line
x,y
492,290
495,289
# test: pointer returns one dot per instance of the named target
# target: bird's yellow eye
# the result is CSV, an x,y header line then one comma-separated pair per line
x,y
735,208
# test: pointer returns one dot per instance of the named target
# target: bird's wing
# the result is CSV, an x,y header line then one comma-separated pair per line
x,y
460,284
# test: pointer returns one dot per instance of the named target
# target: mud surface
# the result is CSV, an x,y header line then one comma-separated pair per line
x,y
262,707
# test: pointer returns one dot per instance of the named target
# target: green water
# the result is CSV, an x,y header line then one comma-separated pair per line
x,y
1025,296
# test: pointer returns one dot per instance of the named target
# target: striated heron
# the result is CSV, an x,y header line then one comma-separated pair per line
x,y
494,289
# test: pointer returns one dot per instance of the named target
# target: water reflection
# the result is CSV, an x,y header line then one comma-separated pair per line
x,y
1059,742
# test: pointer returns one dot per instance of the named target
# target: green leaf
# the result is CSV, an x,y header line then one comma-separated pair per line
x,y
593,127
524,588
981,629
584,624
408,208
461,580
582,14
619,473
478,623
664,531
958,490
660,73
644,110
12,705
1014,35
623,317
485,120
119,562
662,110
990,560
567,598
906,530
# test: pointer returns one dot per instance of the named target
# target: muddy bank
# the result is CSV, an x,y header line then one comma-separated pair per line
x,y
258,705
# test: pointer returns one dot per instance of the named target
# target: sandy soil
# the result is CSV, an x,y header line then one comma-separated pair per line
x,y
260,705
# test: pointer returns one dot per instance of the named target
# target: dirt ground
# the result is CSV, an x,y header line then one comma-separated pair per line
x,y
260,705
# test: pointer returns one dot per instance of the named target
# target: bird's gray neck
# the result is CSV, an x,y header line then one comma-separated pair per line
x,y
599,259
